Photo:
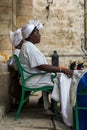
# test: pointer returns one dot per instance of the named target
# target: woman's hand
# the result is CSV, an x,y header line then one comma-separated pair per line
x,y
68,72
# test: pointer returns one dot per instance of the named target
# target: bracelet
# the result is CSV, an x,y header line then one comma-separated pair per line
x,y
60,69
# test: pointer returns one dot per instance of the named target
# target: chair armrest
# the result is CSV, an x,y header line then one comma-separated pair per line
x,y
34,74
53,76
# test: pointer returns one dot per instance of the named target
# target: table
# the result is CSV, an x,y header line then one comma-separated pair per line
x,y
65,92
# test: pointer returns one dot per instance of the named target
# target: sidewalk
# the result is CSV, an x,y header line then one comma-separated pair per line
x,y
32,117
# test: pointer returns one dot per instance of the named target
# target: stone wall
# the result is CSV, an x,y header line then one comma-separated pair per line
x,y
7,23
62,32
4,87
63,29
24,12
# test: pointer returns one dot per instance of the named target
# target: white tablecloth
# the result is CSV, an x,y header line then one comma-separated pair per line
x,y
65,92
76,78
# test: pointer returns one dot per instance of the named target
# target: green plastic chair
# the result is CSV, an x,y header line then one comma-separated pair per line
x,y
32,90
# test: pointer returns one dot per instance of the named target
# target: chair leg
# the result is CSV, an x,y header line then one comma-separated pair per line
x,y
74,122
20,105
55,108
76,117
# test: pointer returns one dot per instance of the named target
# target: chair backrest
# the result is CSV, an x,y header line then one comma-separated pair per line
x,y
19,67
33,89
30,75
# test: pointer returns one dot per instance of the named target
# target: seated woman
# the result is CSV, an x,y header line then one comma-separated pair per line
x,y
15,87
32,60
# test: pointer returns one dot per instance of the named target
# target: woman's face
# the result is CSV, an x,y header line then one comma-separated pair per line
x,y
35,36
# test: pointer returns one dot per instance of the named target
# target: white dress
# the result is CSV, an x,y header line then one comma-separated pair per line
x,y
30,57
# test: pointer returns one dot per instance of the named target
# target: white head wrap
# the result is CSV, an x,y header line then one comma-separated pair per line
x,y
37,24
28,28
16,37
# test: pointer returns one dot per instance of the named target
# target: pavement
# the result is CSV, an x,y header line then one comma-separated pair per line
x,y
32,117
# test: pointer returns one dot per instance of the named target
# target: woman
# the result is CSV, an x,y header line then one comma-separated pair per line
x,y
15,87
32,60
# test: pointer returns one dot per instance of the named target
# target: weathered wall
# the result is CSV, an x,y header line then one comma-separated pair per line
x,y
7,23
62,31
24,11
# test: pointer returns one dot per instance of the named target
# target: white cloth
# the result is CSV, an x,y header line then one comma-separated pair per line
x,y
61,93
28,28
66,109
76,78
65,92
16,52
36,23
30,57
16,37
56,91
11,61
